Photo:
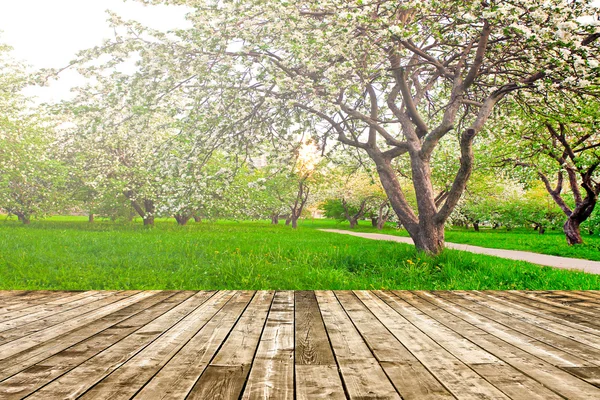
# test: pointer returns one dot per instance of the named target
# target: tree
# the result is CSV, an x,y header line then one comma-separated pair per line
x,y
354,195
387,77
561,138
32,181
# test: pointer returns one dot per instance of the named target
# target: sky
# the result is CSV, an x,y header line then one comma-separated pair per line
x,y
48,33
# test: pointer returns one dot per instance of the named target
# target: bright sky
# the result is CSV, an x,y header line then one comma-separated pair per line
x,y
48,33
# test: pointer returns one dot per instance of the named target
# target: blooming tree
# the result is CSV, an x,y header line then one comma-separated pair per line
x,y
391,78
559,137
32,181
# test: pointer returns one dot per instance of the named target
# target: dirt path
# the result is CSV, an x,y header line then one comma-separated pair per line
x,y
592,267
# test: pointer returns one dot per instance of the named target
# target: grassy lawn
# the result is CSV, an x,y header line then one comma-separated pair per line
x,y
69,253
552,242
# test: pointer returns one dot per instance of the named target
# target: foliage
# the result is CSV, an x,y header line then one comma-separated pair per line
x,y
32,181
389,78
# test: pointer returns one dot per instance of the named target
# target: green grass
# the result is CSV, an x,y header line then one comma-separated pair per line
x,y
70,254
552,242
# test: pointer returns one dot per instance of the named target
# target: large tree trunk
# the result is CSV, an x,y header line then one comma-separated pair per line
x,y
374,222
197,218
275,219
430,238
426,232
295,222
353,222
91,218
288,220
572,232
476,226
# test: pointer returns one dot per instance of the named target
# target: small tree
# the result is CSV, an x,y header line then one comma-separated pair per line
x,y
561,138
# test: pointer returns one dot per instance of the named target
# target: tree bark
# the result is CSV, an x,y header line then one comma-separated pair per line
x,y
295,222
353,222
24,218
430,237
197,218
149,215
374,222
275,219
182,219
476,226
572,232
91,218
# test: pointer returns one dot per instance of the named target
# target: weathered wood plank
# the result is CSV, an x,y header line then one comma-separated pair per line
x,y
45,371
226,374
563,343
579,340
552,312
458,318
272,372
300,345
77,381
533,296
40,333
316,371
46,310
457,377
44,350
23,300
363,376
58,303
410,378
500,374
312,344
176,379
125,381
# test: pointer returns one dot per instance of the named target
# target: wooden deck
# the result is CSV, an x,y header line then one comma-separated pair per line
x,y
303,345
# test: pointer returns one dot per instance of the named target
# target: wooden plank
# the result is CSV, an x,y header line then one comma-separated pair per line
x,y
57,303
10,335
580,298
525,318
478,323
501,374
532,296
362,375
566,300
457,377
38,375
77,381
318,381
595,294
588,374
460,319
410,378
272,371
29,299
176,379
568,345
312,344
44,350
226,374
316,371
552,312
42,335
49,310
